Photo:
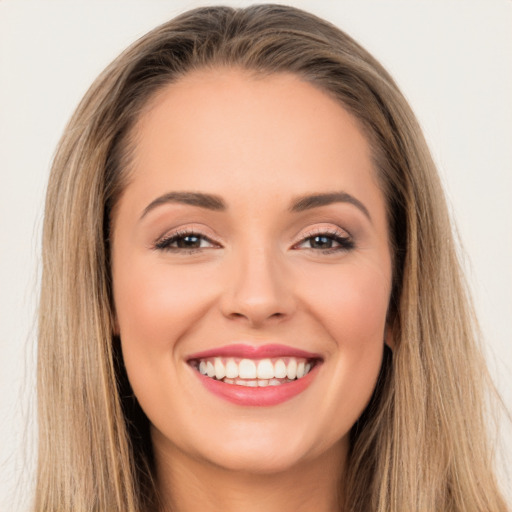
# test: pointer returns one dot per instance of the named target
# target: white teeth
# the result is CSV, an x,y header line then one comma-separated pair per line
x,y
301,367
231,369
280,369
220,370
210,370
248,383
249,372
247,369
292,369
265,369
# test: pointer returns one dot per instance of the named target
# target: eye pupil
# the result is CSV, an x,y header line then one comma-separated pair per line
x,y
188,242
321,242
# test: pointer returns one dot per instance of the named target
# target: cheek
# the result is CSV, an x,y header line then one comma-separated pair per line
x,y
157,304
352,308
352,305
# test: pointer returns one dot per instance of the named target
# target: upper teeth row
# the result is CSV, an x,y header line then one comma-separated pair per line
x,y
292,368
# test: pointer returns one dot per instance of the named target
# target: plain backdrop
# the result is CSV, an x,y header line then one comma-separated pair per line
x,y
452,59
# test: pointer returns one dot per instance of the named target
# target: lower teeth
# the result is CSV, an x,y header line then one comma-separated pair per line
x,y
256,383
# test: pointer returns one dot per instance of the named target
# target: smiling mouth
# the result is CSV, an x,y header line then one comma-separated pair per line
x,y
254,372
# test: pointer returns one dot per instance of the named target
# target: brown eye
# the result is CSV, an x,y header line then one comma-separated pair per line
x,y
188,242
321,242
177,242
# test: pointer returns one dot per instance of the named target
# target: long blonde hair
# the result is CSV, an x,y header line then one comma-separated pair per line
x,y
420,446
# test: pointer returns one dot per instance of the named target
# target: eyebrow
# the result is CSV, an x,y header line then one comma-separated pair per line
x,y
308,202
216,203
208,201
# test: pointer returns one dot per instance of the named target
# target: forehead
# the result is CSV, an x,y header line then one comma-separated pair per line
x,y
228,130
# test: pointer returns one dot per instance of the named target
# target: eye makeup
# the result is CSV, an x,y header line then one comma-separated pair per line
x,y
325,241
185,241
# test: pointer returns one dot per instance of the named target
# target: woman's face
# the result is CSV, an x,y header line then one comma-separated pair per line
x,y
251,245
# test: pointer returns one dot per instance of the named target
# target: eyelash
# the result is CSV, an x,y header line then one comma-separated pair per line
x,y
345,243
165,244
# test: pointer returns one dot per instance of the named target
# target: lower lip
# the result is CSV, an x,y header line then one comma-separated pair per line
x,y
256,396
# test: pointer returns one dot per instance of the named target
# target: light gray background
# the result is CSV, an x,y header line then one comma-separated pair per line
x,y
452,59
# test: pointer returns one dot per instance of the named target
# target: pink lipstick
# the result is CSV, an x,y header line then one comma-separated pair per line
x,y
255,375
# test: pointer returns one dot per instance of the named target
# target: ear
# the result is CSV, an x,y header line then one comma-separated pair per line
x,y
388,337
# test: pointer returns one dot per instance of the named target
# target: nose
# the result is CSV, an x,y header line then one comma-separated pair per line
x,y
258,290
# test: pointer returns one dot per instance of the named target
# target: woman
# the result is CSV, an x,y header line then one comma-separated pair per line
x,y
250,293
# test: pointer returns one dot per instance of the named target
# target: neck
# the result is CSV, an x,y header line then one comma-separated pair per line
x,y
188,484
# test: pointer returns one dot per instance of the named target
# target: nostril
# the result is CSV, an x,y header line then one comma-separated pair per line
x,y
238,315
255,319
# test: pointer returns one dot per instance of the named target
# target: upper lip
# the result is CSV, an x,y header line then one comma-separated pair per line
x,y
244,351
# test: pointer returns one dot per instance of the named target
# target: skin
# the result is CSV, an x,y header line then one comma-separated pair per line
x,y
258,143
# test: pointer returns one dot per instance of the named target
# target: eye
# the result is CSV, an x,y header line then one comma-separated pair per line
x,y
185,241
326,242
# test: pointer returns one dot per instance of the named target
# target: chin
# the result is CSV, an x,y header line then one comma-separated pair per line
x,y
258,461
264,452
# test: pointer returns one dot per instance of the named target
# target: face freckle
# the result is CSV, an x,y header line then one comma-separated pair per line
x,y
253,229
